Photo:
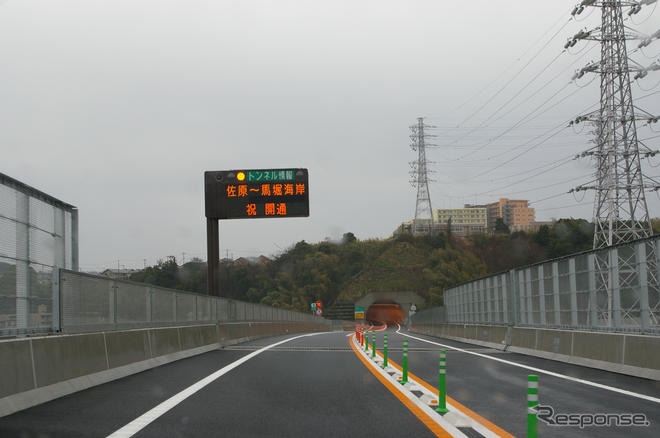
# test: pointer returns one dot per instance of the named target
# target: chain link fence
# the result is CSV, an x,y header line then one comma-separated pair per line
x,y
612,289
38,235
93,303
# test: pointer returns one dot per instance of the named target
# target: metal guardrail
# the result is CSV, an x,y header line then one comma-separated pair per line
x,y
93,303
611,289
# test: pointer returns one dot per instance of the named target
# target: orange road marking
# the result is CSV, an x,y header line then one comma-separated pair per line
x,y
421,415
478,418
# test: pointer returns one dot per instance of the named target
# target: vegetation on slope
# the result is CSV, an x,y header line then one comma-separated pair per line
x,y
348,270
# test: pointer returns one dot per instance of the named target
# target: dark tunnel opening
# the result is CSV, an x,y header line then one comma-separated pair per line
x,y
389,313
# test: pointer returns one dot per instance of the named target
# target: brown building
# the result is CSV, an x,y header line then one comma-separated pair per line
x,y
119,274
515,213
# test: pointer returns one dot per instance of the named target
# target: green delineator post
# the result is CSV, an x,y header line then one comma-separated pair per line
x,y
404,377
532,402
373,346
385,350
366,344
442,390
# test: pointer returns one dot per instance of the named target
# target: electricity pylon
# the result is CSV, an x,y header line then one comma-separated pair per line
x,y
620,209
419,178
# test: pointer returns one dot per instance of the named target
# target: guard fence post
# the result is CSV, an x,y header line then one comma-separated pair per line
x,y
404,377
442,390
532,403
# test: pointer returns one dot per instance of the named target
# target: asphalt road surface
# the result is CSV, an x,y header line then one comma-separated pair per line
x,y
310,386
316,386
497,391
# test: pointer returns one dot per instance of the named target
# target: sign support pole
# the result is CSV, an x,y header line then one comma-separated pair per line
x,y
213,256
249,194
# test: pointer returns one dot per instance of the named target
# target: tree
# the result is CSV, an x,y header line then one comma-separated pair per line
x,y
501,227
542,236
426,264
450,236
348,238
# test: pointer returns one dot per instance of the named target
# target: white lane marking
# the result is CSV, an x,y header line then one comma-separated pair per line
x,y
145,419
349,334
539,370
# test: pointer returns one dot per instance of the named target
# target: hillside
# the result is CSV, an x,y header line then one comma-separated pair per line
x,y
348,270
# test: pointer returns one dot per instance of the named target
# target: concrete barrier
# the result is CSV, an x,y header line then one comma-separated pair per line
x,y
485,335
632,354
16,365
127,347
62,358
37,370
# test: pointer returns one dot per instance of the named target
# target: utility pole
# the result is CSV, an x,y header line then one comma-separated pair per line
x,y
183,258
423,222
620,209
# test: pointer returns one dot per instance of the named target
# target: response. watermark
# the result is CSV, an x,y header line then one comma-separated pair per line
x,y
581,420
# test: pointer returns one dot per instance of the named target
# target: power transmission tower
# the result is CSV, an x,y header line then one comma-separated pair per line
x,y
620,209
423,222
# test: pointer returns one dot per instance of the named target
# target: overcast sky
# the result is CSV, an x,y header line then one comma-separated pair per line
x,y
119,106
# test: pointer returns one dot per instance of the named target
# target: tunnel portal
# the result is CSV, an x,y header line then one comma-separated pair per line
x,y
387,312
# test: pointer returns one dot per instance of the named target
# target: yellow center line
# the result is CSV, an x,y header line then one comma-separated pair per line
x,y
421,415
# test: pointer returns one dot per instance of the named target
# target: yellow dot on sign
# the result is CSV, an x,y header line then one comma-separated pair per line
x,y
240,176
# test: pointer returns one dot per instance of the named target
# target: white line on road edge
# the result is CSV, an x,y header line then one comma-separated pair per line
x,y
145,419
539,370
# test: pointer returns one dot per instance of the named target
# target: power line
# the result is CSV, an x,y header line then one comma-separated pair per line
x,y
510,128
649,138
549,197
543,87
525,179
529,149
559,208
566,159
534,146
525,119
497,93
544,186
508,67
493,114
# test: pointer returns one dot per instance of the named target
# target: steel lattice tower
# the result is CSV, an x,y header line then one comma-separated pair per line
x,y
423,222
620,209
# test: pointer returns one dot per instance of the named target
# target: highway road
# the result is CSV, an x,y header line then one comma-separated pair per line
x,y
494,384
309,386
317,385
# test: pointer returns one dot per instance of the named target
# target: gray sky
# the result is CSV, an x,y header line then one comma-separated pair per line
x,y
118,107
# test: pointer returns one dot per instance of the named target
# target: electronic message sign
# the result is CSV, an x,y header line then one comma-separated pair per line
x,y
256,193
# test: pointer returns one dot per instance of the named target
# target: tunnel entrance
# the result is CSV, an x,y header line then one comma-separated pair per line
x,y
385,312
